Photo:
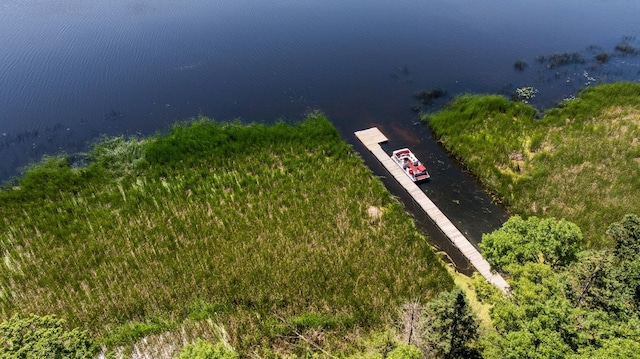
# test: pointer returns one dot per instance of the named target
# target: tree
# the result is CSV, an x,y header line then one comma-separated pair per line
x,y
35,337
536,320
451,328
545,240
411,323
587,310
626,233
609,279
626,272
597,283
616,348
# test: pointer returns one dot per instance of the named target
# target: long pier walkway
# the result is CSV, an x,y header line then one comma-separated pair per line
x,y
371,138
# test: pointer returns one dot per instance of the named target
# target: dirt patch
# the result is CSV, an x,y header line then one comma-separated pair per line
x,y
374,212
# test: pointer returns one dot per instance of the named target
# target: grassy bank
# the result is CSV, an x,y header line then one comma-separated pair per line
x,y
579,162
258,228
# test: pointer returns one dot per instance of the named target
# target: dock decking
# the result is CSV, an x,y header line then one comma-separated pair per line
x,y
371,138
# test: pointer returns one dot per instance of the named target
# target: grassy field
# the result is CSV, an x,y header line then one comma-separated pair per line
x,y
259,229
580,162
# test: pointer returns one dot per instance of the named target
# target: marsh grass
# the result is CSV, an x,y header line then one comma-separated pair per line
x,y
239,224
580,162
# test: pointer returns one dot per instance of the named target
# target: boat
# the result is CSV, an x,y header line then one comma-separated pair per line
x,y
410,165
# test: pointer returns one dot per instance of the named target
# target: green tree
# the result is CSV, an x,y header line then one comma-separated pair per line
x,y
615,348
595,282
451,327
609,280
586,310
546,240
35,337
536,320
203,349
626,234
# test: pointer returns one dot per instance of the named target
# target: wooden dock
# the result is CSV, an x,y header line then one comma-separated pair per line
x,y
371,138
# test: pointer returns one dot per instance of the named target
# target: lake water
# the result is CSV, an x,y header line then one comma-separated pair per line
x,y
73,70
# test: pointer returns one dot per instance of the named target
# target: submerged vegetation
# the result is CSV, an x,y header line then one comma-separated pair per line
x,y
626,49
556,60
602,58
579,162
520,65
267,232
426,97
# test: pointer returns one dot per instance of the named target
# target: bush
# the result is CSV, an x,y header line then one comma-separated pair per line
x,y
403,351
35,337
50,177
133,331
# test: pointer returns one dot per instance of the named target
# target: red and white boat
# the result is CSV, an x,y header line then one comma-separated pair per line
x,y
410,165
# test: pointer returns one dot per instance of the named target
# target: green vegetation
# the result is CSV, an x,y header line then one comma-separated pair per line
x,y
205,350
277,242
579,162
452,329
274,233
547,240
588,309
34,337
404,351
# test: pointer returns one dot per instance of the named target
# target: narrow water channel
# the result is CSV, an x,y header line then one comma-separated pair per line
x,y
457,193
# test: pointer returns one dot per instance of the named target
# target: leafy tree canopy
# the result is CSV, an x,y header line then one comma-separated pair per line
x,y
451,327
536,321
609,280
586,310
626,233
404,351
545,240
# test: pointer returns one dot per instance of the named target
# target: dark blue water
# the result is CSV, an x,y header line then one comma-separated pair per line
x,y
72,70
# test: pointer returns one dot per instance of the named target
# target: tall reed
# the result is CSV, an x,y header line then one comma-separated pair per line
x,y
261,222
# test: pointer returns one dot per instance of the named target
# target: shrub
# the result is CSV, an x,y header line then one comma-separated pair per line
x,y
403,351
35,337
131,332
